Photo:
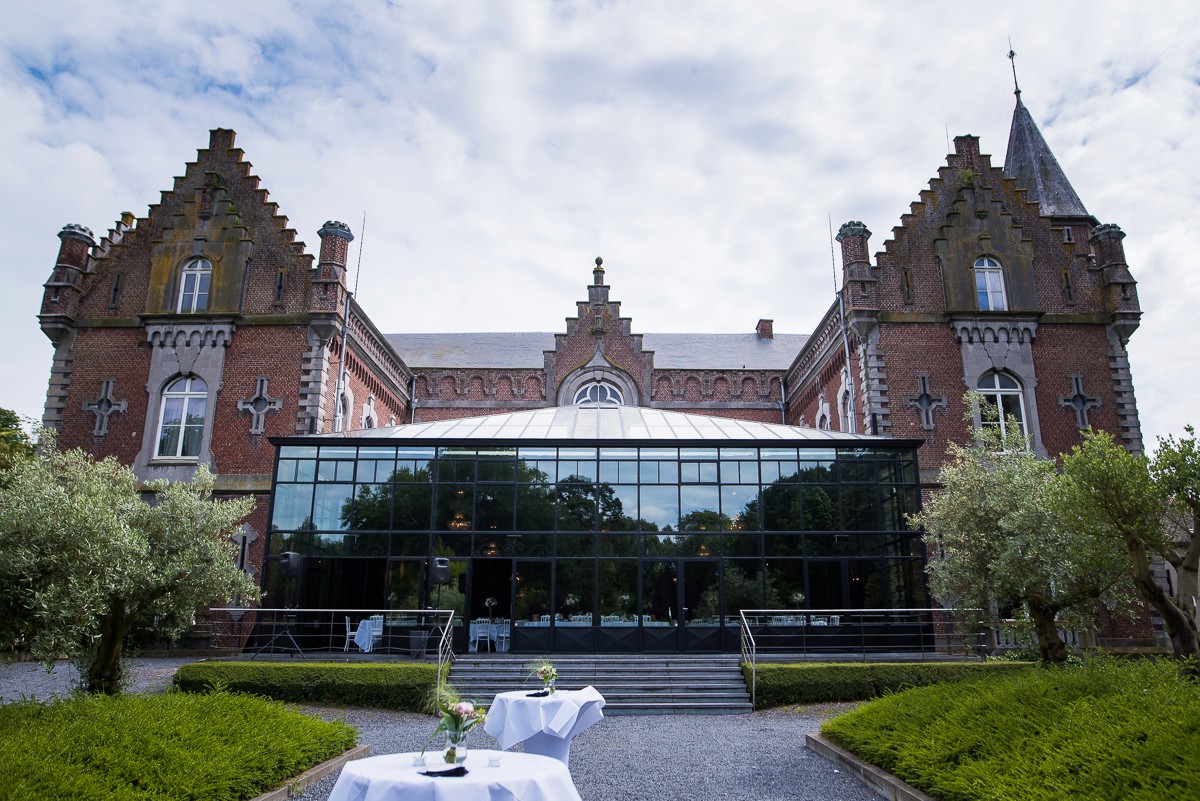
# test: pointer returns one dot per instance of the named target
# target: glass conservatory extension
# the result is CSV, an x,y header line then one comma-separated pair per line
x,y
597,529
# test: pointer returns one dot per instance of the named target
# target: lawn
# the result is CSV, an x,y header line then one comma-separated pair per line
x,y
1119,731
216,747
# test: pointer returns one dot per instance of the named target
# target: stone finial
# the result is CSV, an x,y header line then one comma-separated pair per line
x,y
221,139
335,228
76,231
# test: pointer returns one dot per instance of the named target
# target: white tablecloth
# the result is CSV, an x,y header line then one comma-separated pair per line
x,y
493,632
546,725
367,634
520,777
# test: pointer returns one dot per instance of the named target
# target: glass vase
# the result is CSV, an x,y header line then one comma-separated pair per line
x,y
548,686
455,751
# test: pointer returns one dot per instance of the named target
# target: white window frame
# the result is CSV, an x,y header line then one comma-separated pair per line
x,y
195,284
1005,392
989,285
598,393
187,393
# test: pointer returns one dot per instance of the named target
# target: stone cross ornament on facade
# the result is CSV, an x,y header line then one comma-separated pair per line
x,y
259,405
1079,402
925,402
104,406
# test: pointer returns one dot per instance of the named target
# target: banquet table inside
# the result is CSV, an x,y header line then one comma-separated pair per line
x,y
545,724
394,777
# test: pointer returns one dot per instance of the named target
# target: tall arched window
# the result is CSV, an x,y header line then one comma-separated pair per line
x,y
1004,392
181,420
598,394
194,280
989,285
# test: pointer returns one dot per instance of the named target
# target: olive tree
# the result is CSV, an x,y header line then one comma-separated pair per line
x,y
995,541
85,551
1149,509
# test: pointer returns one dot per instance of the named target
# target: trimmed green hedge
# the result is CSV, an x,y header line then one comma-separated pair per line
x,y
1117,731
807,683
404,686
215,747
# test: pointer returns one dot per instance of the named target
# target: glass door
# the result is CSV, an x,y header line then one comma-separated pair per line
x,y
661,607
701,616
532,606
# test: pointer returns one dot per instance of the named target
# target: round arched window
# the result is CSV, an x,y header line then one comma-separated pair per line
x,y
989,285
598,394
181,418
1004,392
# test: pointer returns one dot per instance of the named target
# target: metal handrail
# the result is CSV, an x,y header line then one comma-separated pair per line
x,y
442,619
750,654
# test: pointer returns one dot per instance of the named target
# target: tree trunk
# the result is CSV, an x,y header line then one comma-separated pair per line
x,y
1050,645
104,676
1187,570
1180,624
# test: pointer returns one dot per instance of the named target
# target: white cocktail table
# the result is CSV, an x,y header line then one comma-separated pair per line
x,y
545,725
393,777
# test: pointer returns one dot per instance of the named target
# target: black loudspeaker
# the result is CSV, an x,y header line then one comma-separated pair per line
x,y
441,570
290,564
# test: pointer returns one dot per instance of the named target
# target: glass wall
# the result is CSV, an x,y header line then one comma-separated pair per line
x,y
640,547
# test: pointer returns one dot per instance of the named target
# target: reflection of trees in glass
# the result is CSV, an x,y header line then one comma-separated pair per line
x,y
402,503
788,507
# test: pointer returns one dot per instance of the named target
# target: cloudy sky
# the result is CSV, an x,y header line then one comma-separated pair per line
x,y
701,148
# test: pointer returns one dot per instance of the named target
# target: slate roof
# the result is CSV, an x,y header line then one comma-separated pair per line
x,y
592,423
526,350
1035,169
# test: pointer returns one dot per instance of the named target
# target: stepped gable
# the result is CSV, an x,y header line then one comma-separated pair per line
x,y
973,205
218,209
599,345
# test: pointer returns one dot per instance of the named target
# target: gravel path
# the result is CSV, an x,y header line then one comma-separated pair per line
x,y
755,757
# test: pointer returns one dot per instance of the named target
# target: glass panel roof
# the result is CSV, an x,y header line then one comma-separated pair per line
x,y
595,423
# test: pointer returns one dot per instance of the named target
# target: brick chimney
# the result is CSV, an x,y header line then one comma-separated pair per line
x,y
765,329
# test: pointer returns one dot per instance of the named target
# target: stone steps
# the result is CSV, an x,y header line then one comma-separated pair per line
x,y
633,684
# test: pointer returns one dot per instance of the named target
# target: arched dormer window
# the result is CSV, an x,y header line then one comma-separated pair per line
x,y
195,277
989,285
181,418
598,393
1004,392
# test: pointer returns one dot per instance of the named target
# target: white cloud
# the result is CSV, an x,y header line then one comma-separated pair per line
x,y
700,147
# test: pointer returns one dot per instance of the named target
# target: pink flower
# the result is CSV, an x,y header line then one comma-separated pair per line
x,y
464,709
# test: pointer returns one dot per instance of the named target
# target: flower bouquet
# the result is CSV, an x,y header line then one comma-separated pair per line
x,y
456,718
546,672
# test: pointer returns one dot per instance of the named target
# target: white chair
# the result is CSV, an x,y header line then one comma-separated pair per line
x,y
376,629
502,636
483,634
349,635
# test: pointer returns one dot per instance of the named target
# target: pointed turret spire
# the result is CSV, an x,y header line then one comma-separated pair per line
x,y
1034,167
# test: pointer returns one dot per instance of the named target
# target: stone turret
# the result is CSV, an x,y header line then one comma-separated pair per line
x,y
61,297
1118,287
329,283
860,287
